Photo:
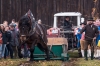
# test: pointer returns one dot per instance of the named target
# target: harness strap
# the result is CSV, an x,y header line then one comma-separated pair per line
x,y
40,29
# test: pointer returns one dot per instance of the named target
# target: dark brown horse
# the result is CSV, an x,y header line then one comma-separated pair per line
x,y
33,34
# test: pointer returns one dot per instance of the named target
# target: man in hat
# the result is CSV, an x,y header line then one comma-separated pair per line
x,y
91,32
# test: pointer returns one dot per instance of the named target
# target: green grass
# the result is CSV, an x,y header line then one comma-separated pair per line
x,y
82,62
18,62
73,54
73,61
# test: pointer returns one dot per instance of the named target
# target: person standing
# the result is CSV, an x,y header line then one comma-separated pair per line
x,y
4,39
39,21
14,40
91,32
5,23
8,46
1,45
82,40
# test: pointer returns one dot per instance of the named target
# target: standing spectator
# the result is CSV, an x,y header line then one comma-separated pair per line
x,y
13,21
39,21
82,40
91,32
97,23
14,40
4,39
5,23
78,41
1,45
16,26
8,46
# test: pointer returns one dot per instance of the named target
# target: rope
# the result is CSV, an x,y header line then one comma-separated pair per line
x,y
47,25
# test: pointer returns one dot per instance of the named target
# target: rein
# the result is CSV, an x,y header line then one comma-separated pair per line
x,y
33,30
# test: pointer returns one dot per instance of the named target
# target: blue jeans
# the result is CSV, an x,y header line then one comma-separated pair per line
x,y
8,51
25,50
0,50
3,49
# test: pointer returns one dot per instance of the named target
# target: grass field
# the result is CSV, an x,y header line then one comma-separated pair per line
x,y
73,61
82,62
23,62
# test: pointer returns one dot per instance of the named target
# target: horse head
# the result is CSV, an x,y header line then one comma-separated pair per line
x,y
26,24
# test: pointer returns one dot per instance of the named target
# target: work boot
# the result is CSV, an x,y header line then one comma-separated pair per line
x,y
85,55
92,55
79,52
92,52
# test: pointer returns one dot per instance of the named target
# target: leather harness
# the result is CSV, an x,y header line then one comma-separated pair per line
x,y
33,30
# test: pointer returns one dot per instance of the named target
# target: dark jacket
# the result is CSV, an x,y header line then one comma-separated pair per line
x,y
90,32
67,25
6,37
14,37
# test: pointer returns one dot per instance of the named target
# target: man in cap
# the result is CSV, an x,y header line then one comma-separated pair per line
x,y
91,32
14,40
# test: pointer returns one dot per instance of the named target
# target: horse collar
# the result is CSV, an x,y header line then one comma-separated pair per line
x,y
33,30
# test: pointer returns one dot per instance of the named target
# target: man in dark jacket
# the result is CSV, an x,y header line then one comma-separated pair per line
x,y
67,24
68,27
8,39
91,32
14,40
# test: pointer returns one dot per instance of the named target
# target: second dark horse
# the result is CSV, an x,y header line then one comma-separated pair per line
x,y
33,34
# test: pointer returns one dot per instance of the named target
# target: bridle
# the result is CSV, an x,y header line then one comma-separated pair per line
x,y
32,30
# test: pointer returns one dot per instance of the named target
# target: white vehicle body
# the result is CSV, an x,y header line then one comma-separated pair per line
x,y
77,14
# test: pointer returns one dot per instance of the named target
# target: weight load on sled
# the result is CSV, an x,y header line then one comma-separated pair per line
x,y
58,46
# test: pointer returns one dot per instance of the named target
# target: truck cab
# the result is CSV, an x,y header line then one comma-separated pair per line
x,y
75,18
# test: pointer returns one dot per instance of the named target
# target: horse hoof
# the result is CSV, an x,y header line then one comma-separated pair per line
x,y
48,59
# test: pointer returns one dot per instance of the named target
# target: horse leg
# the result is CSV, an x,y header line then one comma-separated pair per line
x,y
32,51
45,49
19,51
47,53
31,54
40,47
